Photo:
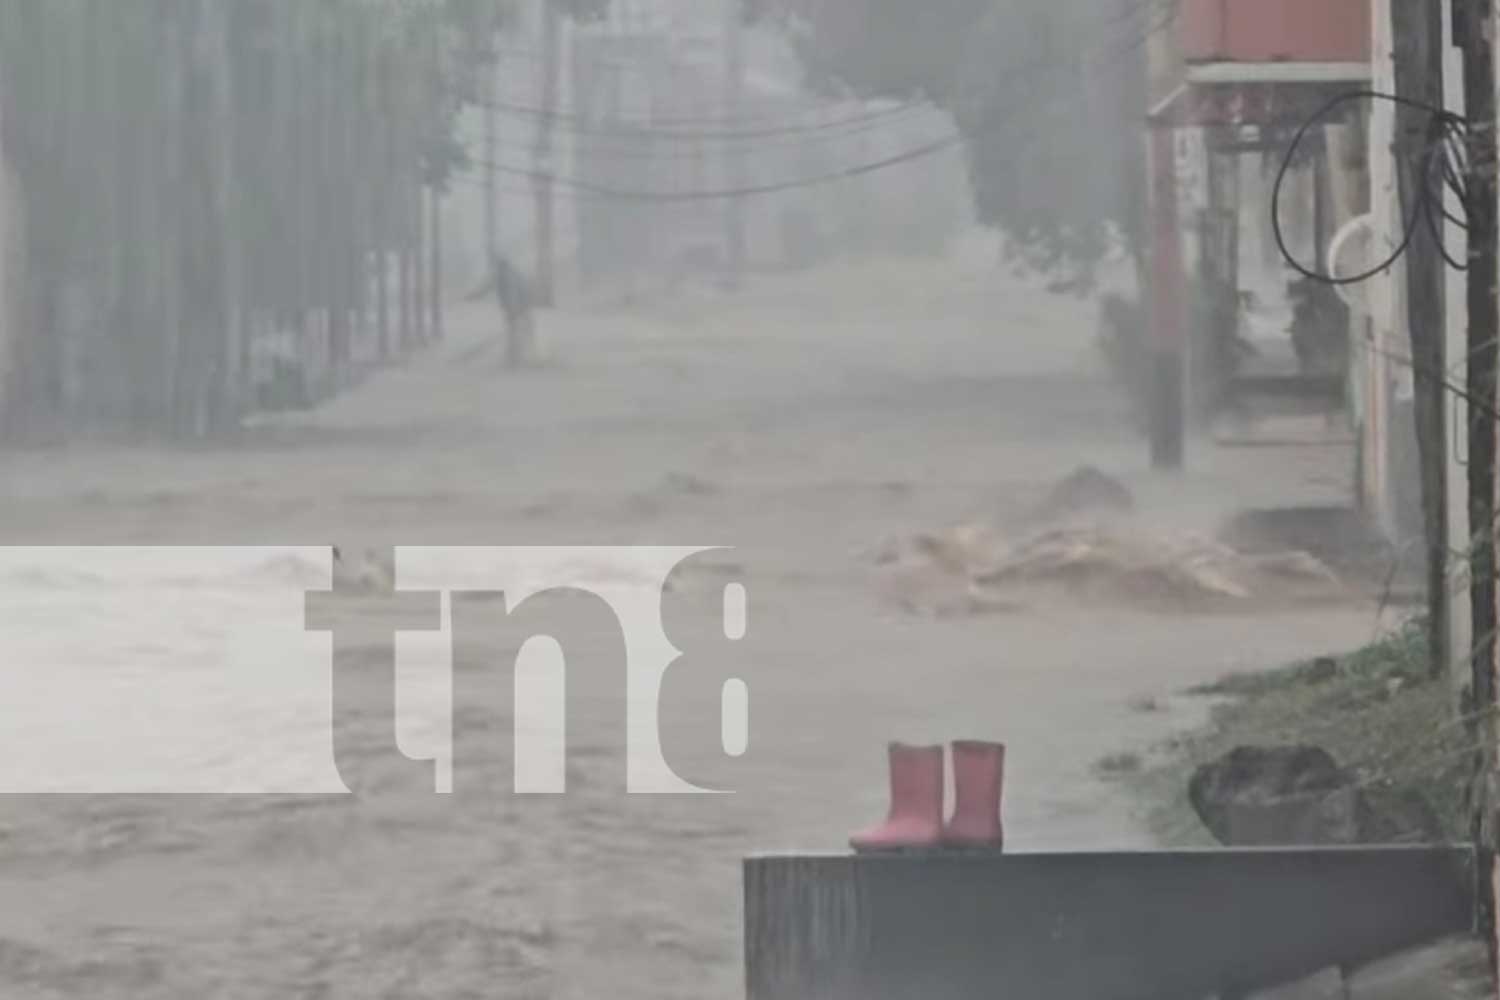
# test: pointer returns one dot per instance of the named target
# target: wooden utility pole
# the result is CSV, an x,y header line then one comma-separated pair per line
x,y
1417,31
542,176
734,164
1484,327
1473,25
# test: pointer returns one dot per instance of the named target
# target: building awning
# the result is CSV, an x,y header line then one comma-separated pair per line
x,y
1256,93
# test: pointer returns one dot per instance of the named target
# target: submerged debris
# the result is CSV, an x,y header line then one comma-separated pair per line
x,y
1135,565
1120,562
1081,538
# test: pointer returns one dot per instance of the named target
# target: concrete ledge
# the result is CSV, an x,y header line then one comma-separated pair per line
x,y
1278,72
1153,926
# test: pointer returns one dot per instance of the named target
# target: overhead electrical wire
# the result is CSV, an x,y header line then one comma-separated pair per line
x,y
585,125
953,140
715,120
1437,166
778,118
752,190
653,127
621,148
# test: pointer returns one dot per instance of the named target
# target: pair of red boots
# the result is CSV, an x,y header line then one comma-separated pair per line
x,y
916,817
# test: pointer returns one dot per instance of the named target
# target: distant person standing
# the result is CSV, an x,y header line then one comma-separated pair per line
x,y
513,289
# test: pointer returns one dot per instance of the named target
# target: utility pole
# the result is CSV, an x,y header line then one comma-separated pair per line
x,y
734,166
1417,33
542,176
1473,24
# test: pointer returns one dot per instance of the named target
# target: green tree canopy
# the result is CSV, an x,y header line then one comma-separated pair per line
x,y
1049,96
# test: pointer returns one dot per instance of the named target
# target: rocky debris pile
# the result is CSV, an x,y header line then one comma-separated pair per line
x,y
1118,563
1298,795
1137,566
932,574
1081,539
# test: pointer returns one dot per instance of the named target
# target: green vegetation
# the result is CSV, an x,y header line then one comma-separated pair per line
x,y
1376,710
1048,98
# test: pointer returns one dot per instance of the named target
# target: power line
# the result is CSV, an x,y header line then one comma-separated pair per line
x,y
919,152
726,122
791,146
586,126
748,191
1435,162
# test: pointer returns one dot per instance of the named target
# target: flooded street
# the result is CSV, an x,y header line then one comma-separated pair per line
x,y
798,424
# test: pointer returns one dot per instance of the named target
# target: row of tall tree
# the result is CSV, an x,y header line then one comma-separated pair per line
x,y
195,176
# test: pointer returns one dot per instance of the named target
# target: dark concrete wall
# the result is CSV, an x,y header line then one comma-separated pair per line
x,y
1171,926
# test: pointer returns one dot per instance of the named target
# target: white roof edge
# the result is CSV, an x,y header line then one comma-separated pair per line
x,y
1279,72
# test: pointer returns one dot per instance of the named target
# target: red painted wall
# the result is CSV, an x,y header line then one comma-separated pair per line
x,y
1275,30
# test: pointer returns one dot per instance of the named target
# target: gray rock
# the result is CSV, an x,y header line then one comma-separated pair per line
x,y
1314,819
1321,670
1270,779
1286,795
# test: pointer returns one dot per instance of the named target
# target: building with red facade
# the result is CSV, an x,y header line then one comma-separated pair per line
x,y
1236,78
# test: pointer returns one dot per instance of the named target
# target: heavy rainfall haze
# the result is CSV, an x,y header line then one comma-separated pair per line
x,y
845,298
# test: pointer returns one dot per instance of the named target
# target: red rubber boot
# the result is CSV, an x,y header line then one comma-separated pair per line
x,y
916,817
978,778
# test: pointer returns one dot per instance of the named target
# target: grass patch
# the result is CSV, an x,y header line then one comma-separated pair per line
x,y
1375,710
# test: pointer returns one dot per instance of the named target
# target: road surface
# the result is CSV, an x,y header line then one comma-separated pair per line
x,y
800,422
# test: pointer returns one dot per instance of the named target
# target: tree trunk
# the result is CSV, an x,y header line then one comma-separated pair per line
x,y
383,303
417,202
435,283
491,91
734,173
543,167
225,376
407,295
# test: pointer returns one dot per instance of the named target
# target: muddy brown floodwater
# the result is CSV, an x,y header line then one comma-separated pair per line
x,y
800,422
